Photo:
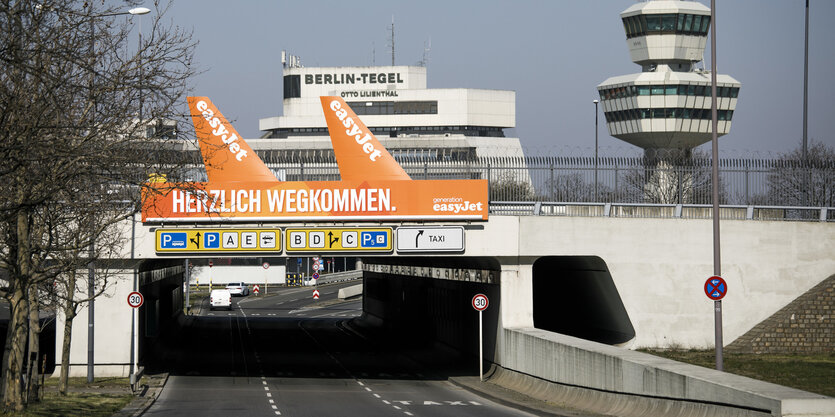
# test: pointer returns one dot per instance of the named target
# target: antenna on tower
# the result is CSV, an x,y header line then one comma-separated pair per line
x,y
373,54
427,46
391,39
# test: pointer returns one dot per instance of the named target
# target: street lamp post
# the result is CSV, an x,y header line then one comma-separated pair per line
x,y
138,11
595,150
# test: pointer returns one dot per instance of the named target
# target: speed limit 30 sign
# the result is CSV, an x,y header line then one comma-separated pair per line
x,y
480,302
135,299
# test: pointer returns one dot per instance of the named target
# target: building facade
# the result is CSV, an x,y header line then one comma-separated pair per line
x,y
415,123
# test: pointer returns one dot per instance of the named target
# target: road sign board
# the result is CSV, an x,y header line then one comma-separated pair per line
x,y
480,302
315,275
256,289
266,265
716,288
315,294
343,239
217,240
210,263
316,258
316,266
135,299
430,239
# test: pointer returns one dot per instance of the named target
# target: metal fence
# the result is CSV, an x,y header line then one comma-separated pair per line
x,y
772,188
623,180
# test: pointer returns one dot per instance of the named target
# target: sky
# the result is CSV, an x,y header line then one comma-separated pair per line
x,y
553,54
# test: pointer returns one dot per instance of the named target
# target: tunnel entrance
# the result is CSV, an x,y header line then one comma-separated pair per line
x,y
429,299
588,305
407,304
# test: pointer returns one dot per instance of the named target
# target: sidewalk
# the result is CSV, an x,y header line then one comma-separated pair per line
x,y
148,393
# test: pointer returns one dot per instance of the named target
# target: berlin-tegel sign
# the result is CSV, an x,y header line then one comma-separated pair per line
x,y
240,187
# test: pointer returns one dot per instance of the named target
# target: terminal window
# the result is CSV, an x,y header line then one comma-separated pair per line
x,y
393,107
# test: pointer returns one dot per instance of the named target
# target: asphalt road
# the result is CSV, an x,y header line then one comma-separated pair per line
x,y
286,354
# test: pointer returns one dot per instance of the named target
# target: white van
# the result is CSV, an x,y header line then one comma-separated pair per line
x,y
220,299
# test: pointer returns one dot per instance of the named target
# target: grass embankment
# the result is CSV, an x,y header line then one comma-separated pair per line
x,y
813,373
102,397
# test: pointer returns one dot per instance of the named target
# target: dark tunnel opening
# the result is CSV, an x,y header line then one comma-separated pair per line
x,y
588,305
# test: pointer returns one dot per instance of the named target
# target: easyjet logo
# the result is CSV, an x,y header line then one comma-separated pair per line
x,y
219,129
354,130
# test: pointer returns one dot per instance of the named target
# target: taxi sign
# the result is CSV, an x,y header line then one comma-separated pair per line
x,y
217,240
342,239
430,239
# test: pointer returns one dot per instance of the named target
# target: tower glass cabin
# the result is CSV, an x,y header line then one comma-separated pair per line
x,y
667,105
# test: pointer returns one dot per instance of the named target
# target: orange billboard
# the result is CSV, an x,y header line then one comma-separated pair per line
x,y
318,200
241,187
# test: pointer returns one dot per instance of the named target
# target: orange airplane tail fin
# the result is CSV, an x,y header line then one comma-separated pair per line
x,y
359,154
228,158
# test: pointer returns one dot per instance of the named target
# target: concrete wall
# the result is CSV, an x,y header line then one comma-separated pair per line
x,y
579,363
111,344
251,274
659,267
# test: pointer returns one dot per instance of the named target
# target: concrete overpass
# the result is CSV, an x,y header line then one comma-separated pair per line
x,y
563,290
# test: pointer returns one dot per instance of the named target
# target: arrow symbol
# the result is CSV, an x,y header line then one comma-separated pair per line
x,y
196,240
331,239
420,232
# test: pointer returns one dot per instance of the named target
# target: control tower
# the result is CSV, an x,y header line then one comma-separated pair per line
x,y
666,106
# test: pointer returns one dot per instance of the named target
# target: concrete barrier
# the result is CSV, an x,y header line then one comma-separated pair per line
x,y
580,363
349,292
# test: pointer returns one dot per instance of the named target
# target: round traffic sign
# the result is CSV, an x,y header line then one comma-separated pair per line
x,y
266,265
716,288
135,299
316,267
480,302
315,275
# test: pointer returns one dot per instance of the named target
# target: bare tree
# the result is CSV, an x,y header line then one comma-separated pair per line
x,y
672,177
78,108
798,182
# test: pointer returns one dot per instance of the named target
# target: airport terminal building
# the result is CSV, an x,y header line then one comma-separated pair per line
x,y
415,123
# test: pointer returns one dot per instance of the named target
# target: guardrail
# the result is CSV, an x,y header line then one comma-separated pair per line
x,y
647,210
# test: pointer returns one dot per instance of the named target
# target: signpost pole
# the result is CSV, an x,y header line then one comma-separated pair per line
x,y
480,347
716,288
188,287
717,316
480,303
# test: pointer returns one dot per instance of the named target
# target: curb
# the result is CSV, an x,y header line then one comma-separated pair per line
x,y
509,397
150,392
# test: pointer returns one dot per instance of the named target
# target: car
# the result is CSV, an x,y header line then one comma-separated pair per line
x,y
220,299
238,288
